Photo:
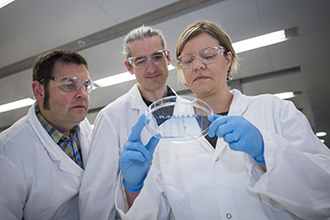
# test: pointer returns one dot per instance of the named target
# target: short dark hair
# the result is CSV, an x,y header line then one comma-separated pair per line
x,y
44,65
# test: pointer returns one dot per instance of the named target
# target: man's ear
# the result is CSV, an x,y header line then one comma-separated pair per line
x,y
168,57
128,67
38,90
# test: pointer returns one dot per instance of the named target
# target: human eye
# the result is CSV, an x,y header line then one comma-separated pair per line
x,y
187,59
209,54
140,61
157,57
87,83
69,87
68,84
86,86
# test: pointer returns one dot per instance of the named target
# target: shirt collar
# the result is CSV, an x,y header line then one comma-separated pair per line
x,y
53,133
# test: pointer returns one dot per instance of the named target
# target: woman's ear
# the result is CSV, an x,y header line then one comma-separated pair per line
x,y
228,57
38,90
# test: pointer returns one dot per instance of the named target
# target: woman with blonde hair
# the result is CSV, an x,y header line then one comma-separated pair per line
x,y
260,159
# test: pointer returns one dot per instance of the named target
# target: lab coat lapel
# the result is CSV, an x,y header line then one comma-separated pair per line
x,y
221,144
54,151
137,105
137,101
85,137
238,106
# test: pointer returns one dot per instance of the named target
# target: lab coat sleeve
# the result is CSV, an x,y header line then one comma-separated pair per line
x,y
12,190
151,203
96,200
298,167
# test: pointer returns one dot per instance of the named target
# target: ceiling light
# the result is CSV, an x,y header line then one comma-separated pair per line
x,y
17,104
321,134
119,78
3,3
260,41
114,79
322,140
285,95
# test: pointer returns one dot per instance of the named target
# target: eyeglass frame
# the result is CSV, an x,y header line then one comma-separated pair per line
x,y
75,79
221,49
164,53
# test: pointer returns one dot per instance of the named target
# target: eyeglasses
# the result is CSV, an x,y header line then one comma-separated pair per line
x,y
70,84
142,61
207,56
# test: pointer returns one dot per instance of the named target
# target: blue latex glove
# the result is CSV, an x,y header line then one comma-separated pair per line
x,y
136,158
240,134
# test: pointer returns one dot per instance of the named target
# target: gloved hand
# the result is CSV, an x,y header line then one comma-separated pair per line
x,y
240,134
136,158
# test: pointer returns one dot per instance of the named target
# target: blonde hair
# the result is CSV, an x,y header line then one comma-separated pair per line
x,y
215,31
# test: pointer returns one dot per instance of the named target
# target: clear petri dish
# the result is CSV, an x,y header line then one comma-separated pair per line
x,y
179,118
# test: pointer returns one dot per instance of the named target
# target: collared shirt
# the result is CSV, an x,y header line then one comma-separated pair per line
x,y
70,145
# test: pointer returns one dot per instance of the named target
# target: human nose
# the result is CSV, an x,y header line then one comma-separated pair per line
x,y
151,66
199,64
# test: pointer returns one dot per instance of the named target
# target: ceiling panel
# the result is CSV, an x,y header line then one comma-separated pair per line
x,y
121,11
289,13
11,52
35,26
105,59
16,87
248,61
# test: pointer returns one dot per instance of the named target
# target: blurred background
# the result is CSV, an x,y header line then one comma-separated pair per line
x,y
299,64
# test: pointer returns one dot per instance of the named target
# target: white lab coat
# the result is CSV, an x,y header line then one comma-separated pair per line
x,y
38,180
195,181
112,128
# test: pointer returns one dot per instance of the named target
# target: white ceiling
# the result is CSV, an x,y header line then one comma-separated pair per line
x,y
300,64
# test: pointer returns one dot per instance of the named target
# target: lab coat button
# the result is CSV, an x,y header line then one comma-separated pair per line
x,y
228,216
216,159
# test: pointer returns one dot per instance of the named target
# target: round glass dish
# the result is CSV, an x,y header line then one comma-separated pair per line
x,y
179,118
